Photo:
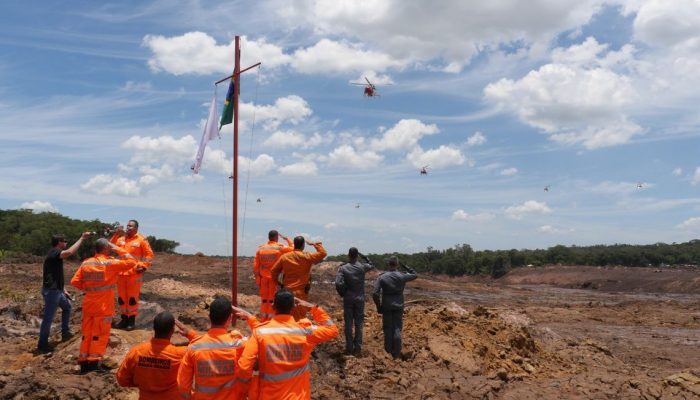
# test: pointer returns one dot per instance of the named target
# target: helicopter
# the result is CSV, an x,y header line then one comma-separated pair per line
x,y
424,170
546,188
640,185
370,88
259,200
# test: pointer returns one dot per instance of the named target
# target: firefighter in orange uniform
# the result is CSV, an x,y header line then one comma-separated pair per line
x,y
152,366
296,267
129,284
97,276
208,369
265,257
282,348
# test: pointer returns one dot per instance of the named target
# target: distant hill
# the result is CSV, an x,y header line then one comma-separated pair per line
x,y
26,232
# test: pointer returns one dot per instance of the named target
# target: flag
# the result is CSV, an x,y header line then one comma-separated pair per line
x,y
210,132
227,113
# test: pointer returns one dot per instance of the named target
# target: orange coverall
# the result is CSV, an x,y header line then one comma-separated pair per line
x,y
152,367
208,369
129,284
296,267
282,348
97,276
265,257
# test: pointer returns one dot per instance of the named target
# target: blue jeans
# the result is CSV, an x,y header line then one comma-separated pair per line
x,y
54,298
353,315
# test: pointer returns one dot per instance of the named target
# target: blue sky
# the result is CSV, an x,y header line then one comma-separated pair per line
x,y
103,105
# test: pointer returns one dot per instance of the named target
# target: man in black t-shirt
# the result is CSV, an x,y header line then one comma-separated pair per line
x,y
53,290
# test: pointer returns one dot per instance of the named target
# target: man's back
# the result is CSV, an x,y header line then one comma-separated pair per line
x,y
152,367
282,348
296,266
353,274
391,285
210,361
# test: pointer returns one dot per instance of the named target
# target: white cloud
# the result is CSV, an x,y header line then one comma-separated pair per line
x,y
690,224
490,167
677,171
404,135
608,187
696,176
331,225
105,184
442,157
549,229
668,24
476,139
292,109
509,171
282,139
347,156
260,166
577,100
197,53
150,150
328,56
461,215
39,206
303,168
446,36
528,207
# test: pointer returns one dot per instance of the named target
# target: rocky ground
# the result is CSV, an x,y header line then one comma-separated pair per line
x,y
554,332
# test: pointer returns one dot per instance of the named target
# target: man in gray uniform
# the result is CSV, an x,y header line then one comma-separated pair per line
x,y
350,284
389,288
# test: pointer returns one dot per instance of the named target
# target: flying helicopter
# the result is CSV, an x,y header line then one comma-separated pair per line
x,y
546,188
640,185
424,170
357,205
370,88
259,200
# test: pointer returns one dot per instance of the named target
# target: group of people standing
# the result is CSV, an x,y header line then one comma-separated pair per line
x,y
219,363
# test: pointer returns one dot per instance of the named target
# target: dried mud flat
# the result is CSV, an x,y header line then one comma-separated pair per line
x,y
555,332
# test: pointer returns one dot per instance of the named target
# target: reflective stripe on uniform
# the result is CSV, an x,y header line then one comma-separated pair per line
x,y
285,375
214,389
326,323
216,345
290,331
83,355
90,263
99,288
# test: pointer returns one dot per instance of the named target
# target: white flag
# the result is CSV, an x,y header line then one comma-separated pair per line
x,y
210,132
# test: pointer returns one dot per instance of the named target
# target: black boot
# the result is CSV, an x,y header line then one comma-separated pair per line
x,y
123,323
84,367
131,323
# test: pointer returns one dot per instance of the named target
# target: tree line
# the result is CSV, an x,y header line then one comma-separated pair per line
x,y
26,232
463,260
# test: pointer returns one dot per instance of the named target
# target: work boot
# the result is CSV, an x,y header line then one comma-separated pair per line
x,y
98,368
123,323
66,336
84,367
131,323
44,348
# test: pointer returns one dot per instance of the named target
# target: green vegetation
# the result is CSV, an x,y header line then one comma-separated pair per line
x,y
463,260
26,232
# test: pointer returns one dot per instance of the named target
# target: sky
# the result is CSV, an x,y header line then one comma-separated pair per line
x,y
103,105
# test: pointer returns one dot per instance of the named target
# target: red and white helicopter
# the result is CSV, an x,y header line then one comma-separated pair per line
x,y
370,88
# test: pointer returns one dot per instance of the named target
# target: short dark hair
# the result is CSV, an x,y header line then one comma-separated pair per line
x,y
135,223
100,245
299,242
284,301
55,239
353,252
273,234
219,310
163,324
393,261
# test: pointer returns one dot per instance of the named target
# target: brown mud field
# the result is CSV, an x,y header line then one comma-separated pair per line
x,y
553,332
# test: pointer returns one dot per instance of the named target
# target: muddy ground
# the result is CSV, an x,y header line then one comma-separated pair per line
x,y
553,332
